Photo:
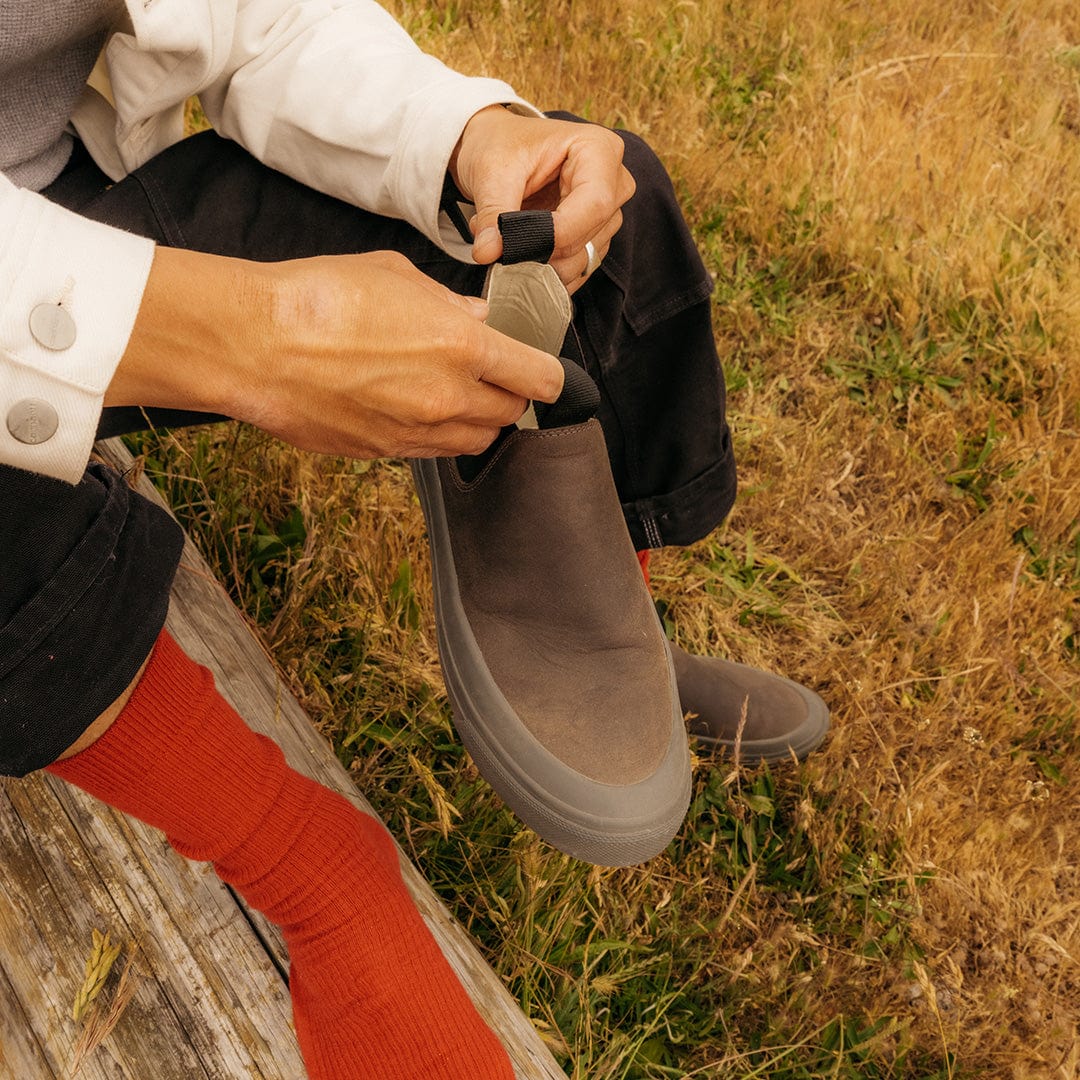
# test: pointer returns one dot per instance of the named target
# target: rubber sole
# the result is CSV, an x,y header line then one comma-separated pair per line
x,y
599,823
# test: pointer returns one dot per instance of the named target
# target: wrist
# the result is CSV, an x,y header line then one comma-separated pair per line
x,y
191,344
477,129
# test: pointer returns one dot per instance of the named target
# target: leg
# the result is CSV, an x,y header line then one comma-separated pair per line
x,y
643,329
83,596
363,967
106,719
152,737
82,600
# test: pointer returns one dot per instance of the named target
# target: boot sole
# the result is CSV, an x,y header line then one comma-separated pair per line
x,y
605,824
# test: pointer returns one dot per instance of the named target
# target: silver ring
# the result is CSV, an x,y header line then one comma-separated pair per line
x,y
594,259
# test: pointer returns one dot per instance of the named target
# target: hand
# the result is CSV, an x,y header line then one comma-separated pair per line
x,y
505,162
360,355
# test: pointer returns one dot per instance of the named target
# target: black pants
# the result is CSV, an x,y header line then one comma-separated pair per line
x,y
85,570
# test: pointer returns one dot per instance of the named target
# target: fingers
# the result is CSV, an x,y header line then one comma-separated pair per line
x,y
491,406
508,374
519,369
488,245
594,184
502,190
508,162
453,438
575,270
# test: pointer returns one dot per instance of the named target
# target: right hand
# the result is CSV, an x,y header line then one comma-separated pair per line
x,y
361,355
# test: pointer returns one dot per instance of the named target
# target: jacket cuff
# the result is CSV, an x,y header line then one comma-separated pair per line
x,y
437,116
70,290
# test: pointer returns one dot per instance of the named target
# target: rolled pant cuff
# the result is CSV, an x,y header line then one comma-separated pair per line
x,y
687,514
79,640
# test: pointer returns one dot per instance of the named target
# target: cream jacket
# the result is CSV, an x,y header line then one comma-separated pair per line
x,y
332,92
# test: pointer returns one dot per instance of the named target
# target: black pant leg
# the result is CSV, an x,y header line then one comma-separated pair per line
x,y
84,590
643,329
86,570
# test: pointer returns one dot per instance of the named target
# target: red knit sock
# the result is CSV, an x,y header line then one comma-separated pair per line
x,y
643,559
373,996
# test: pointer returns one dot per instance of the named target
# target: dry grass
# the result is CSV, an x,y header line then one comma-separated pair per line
x,y
100,1016
889,195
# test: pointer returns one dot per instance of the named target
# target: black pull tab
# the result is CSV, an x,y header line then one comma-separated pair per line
x,y
578,402
528,236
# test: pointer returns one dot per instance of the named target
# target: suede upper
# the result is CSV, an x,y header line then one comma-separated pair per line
x,y
569,634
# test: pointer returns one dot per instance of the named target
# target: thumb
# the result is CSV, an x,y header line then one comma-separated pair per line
x,y
493,195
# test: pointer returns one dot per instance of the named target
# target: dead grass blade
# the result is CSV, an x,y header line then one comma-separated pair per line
x,y
104,1014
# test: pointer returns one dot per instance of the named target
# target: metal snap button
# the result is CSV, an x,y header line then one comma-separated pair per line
x,y
32,421
53,327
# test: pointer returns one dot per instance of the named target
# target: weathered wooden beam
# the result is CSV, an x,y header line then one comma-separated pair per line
x,y
213,1002
213,1005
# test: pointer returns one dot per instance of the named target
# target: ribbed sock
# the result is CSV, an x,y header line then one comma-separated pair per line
x,y
373,996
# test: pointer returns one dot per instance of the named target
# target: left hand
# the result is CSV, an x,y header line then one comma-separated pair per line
x,y
505,162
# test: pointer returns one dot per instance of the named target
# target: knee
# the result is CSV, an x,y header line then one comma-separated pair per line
x,y
653,258
90,570
33,739
106,719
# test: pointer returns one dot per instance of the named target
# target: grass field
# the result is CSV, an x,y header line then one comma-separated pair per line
x,y
889,196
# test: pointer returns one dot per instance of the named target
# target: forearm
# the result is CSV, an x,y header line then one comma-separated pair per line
x,y
339,97
361,355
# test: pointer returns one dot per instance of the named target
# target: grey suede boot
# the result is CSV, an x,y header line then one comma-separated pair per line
x,y
554,658
555,661
783,719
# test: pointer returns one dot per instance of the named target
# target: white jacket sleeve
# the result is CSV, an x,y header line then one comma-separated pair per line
x,y
52,386
336,94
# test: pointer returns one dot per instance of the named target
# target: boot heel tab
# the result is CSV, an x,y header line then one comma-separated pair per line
x,y
578,402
